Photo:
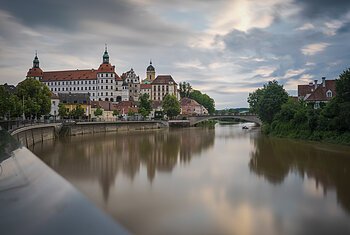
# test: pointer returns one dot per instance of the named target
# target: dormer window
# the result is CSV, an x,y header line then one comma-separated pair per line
x,y
329,94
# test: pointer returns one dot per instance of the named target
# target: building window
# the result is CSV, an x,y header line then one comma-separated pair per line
x,y
62,88
106,87
101,75
112,87
111,93
106,93
85,82
51,89
329,94
89,88
93,88
77,88
86,88
93,94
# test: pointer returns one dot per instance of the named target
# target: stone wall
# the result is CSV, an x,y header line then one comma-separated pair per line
x,y
31,135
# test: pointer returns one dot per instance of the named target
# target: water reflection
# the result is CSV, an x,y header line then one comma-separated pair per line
x,y
275,159
103,156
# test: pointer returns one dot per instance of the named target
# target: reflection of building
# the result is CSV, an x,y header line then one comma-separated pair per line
x,y
103,156
317,93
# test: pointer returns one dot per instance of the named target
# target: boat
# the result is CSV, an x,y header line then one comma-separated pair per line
x,y
245,128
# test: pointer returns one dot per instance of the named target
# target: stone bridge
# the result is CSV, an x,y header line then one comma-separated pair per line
x,y
245,117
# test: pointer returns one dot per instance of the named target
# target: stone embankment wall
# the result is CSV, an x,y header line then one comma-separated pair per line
x,y
86,128
31,135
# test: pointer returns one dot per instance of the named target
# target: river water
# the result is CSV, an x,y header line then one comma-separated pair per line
x,y
209,181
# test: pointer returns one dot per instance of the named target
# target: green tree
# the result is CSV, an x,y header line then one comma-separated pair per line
x,y
145,107
116,113
343,86
62,110
78,112
267,102
253,100
185,89
98,112
36,95
10,105
171,106
204,100
131,113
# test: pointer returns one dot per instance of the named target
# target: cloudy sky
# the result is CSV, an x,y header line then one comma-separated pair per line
x,y
223,48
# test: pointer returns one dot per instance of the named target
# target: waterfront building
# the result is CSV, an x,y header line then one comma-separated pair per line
x,y
72,100
162,86
133,82
190,107
100,84
146,89
55,101
316,93
107,108
150,74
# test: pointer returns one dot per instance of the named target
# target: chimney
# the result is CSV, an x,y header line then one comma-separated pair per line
x,y
324,81
315,84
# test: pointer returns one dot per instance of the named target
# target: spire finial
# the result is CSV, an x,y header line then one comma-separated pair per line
x,y
150,61
36,53
105,46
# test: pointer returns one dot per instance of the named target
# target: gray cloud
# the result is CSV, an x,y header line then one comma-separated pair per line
x,y
71,34
324,8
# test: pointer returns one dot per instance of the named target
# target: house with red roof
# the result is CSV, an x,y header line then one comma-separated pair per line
x,y
317,93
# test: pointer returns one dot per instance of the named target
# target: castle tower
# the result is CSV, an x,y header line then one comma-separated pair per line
x,y
151,72
35,71
106,56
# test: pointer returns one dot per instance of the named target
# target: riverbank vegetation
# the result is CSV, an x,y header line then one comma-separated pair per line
x,y
208,123
288,117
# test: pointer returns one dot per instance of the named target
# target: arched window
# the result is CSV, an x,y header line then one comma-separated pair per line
x,y
329,94
106,99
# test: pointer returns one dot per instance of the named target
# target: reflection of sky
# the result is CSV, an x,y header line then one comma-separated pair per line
x,y
217,193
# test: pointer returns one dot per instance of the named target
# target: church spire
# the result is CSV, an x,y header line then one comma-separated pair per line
x,y
36,60
106,56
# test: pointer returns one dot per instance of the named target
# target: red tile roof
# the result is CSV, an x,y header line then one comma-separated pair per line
x,y
106,68
87,74
188,101
163,79
309,93
35,72
146,86
105,105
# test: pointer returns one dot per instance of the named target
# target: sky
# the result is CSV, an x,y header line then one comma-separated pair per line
x,y
223,48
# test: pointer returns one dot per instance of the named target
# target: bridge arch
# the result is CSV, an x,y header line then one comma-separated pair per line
x,y
250,118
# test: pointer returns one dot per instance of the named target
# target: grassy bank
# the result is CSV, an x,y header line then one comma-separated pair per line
x,y
286,130
208,123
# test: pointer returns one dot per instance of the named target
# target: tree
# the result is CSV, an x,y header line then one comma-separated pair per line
x,y
253,100
343,86
116,113
131,113
204,100
145,107
98,112
36,96
171,106
10,105
78,112
62,110
185,89
267,102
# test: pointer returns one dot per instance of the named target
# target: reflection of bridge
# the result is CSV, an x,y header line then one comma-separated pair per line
x,y
245,117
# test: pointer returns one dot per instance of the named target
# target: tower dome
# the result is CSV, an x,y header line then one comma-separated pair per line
x,y
105,56
36,61
150,68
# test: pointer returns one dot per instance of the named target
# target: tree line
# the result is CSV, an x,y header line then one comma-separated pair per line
x,y
30,97
186,91
285,116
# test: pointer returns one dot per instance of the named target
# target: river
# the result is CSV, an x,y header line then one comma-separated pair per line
x,y
224,180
